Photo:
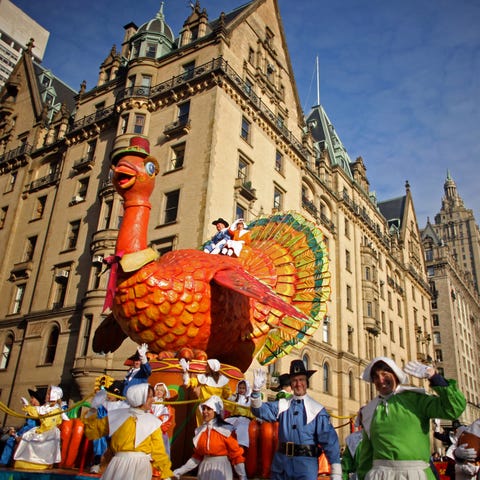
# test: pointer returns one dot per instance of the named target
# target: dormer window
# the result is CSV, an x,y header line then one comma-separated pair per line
x,y
45,81
151,51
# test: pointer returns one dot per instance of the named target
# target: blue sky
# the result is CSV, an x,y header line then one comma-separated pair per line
x,y
400,80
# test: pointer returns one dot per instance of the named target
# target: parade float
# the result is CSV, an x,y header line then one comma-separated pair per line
x,y
198,306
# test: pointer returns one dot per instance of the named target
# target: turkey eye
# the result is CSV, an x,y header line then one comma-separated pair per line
x,y
150,168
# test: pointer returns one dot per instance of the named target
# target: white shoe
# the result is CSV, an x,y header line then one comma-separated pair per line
x,y
95,469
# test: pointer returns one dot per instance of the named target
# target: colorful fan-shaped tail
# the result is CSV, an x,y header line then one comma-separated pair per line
x,y
288,253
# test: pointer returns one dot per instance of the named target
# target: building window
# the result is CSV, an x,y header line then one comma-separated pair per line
x,y
18,298
11,182
349,297
123,124
277,199
60,287
429,255
188,70
347,228
3,216
245,131
438,355
351,386
384,323
251,56
146,83
45,81
435,320
430,271
72,238
87,330
400,337
242,171
107,214
399,307
392,333
183,112
91,146
326,330
171,206
178,156
82,187
350,338
278,161
164,245
139,124
95,275
151,50
6,352
248,86
348,265
369,310
326,378
30,248
437,339
368,275
52,343
240,211
390,304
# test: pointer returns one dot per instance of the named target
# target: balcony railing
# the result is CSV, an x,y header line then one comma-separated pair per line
x,y
93,118
44,181
18,152
179,127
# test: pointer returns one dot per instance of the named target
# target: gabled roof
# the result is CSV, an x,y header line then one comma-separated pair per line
x,y
429,231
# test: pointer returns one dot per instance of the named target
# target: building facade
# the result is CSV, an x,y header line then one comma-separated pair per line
x,y
17,29
220,107
451,252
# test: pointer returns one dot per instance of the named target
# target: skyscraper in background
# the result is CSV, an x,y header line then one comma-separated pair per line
x,y
16,31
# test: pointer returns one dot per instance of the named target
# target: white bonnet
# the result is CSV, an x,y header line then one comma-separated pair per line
x,y
215,403
399,373
56,394
214,364
167,391
137,394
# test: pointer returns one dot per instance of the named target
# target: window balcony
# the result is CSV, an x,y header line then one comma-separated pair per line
x,y
244,187
85,163
177,128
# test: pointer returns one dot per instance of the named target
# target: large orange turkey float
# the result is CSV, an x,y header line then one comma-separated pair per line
x,y
196,305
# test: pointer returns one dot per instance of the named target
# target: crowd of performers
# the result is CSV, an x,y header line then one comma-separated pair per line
x,y
130,423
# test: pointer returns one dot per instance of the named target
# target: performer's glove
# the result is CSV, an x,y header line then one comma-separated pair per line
x,y
190,465
436,422
419,370
467,469
25,402
465,453
99,399
259,379
240,471
142,351
185,366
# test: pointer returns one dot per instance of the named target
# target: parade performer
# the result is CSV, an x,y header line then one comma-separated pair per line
x,y
140,370
240,237
284,389
165,413
304,428
466,456
219,240
39,447
240,414
215,446
396,423
212,382
352,451
136,437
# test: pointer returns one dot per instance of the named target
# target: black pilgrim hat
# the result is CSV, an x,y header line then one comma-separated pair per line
x,y
283,381
38,394
116,387
220,220
297,367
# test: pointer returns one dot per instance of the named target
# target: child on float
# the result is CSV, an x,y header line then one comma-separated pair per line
x,y
165,413
240,237
136,437
39,447
240,414
215,446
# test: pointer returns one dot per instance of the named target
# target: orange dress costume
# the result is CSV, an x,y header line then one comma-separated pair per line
x,y
240,237
215,449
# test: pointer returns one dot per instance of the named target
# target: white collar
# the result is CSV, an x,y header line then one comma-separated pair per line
x,y
210,381
146,422
312,408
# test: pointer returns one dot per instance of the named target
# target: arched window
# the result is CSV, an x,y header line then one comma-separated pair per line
x,y
6,351
52,345
326,378
306,361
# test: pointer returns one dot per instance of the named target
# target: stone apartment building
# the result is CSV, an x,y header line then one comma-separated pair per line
x,y
219,105
451,247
